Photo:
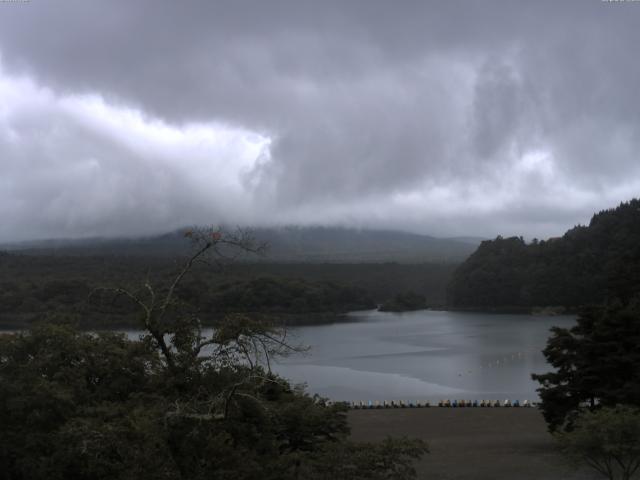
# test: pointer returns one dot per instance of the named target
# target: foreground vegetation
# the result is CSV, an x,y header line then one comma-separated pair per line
x,y
607,440
591,400
596,364
174,404
77,405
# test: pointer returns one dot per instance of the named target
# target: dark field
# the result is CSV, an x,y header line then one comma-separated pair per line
x,y
472,443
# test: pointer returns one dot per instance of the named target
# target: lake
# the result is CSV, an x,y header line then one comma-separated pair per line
x,y
423,355
419,356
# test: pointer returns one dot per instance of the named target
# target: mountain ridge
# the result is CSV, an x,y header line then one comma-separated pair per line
x,y
287,243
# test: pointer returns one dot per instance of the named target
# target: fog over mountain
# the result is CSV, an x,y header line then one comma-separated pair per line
x,y
442,118
284,244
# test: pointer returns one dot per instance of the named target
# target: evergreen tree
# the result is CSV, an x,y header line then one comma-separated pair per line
x,y
587,265
597,363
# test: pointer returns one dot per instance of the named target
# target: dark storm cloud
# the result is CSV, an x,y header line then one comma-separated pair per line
x,y
443,117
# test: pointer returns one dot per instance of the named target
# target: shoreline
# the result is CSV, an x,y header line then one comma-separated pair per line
x,y
23,321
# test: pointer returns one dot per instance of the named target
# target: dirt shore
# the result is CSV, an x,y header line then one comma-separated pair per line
x,y
472,443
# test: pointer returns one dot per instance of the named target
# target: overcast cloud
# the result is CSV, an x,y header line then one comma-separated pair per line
x,y
446,118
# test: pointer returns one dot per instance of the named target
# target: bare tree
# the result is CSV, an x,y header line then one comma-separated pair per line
x,y
235,340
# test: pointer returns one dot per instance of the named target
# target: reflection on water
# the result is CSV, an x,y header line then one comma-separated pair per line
x,y
424,355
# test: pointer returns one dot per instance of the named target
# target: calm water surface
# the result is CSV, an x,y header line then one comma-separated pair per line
x,y
423,355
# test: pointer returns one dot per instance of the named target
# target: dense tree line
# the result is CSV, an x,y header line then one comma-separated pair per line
x,y
587,265
404,302
261,295
267,294
33,286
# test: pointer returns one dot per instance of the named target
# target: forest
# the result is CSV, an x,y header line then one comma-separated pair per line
x,y
587,265
33,286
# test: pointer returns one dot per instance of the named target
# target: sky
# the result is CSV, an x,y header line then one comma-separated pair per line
x,y
472,118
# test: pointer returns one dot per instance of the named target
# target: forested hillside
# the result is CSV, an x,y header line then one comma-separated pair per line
x,y
586,265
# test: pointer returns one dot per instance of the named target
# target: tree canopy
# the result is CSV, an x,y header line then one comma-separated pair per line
x,y
587,265
596,362
608,440
404,301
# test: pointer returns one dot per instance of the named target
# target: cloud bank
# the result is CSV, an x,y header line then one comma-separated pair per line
x,y
456,118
